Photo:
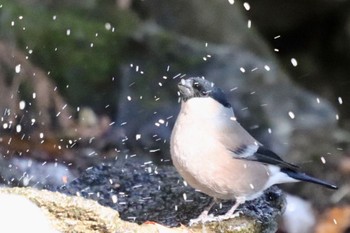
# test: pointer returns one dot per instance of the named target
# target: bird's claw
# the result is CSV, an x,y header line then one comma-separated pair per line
x,y
202,219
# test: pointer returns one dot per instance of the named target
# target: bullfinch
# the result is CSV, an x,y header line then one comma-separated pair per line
x,y
217,156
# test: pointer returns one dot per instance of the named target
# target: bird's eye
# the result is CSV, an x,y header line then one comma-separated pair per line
x,y
200,90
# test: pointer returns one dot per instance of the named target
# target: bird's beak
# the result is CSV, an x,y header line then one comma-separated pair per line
x,y
185,87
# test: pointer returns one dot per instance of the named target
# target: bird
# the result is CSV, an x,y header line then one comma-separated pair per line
x,y
217,156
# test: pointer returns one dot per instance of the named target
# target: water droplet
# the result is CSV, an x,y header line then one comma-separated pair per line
x,y
108,26
267,67
22,104
291,115
340,100
18,68
246,6
18,128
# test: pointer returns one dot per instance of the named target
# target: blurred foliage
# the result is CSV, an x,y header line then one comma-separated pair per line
x,y
79,47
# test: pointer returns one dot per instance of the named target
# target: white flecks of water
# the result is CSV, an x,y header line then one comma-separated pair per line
x,y
233,118
231,2
22,104
323,160
318,100
41,135
18,128
184,195
246,6
108,26
276,50
18,68
269,130
114,199
294,62
291,114
205,58
138,136
251,186
34,95
249,23
340,100
335,221
68,32
242,70
266,67
155,150
336,116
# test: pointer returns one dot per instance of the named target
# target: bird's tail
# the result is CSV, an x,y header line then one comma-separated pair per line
x,y
304,177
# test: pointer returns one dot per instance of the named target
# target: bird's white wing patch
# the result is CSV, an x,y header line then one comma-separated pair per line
x,y
245,151
277,177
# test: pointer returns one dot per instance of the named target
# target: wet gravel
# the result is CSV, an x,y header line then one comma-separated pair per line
x,y
148,192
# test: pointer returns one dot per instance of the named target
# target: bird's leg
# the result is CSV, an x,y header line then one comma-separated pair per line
x,y
203,217
239,201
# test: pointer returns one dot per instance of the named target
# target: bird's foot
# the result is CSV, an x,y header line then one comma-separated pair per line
x,y
201,219
227,216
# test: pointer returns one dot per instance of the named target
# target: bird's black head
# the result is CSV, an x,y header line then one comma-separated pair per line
x,y
197,87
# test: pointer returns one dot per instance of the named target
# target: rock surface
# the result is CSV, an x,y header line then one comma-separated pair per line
x,y
154,197
146,192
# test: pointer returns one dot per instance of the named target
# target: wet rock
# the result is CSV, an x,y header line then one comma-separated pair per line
x,y
76,214
146,192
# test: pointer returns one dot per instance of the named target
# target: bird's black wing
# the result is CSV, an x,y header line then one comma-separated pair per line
x,y
262,155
